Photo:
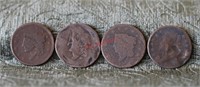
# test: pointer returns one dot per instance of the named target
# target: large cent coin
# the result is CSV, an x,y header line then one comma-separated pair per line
x,y
32,44
123,46
169,47
78,45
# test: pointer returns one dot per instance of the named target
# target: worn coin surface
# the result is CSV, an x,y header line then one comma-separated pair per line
x,y
78,45
169,47
123,46
32,44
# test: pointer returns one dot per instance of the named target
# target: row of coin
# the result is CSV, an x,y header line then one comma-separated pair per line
x,y
123,45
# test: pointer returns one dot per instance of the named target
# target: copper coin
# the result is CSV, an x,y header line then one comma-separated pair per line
x,y
32,44
169,47
123,46
78,45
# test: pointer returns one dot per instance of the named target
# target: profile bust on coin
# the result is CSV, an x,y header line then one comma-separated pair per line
x,y
124,42
169,47
123,46
32,44
77,45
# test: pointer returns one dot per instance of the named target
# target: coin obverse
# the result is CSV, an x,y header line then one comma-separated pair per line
x,y
78,45
169,47
32,44
123,46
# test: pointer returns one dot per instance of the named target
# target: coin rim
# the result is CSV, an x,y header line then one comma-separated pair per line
x,y
163,27
107,33
46,30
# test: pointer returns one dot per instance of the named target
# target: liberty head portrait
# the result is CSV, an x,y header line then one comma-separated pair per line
x,y
124,45
78,42
171,46
34,46
75,45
